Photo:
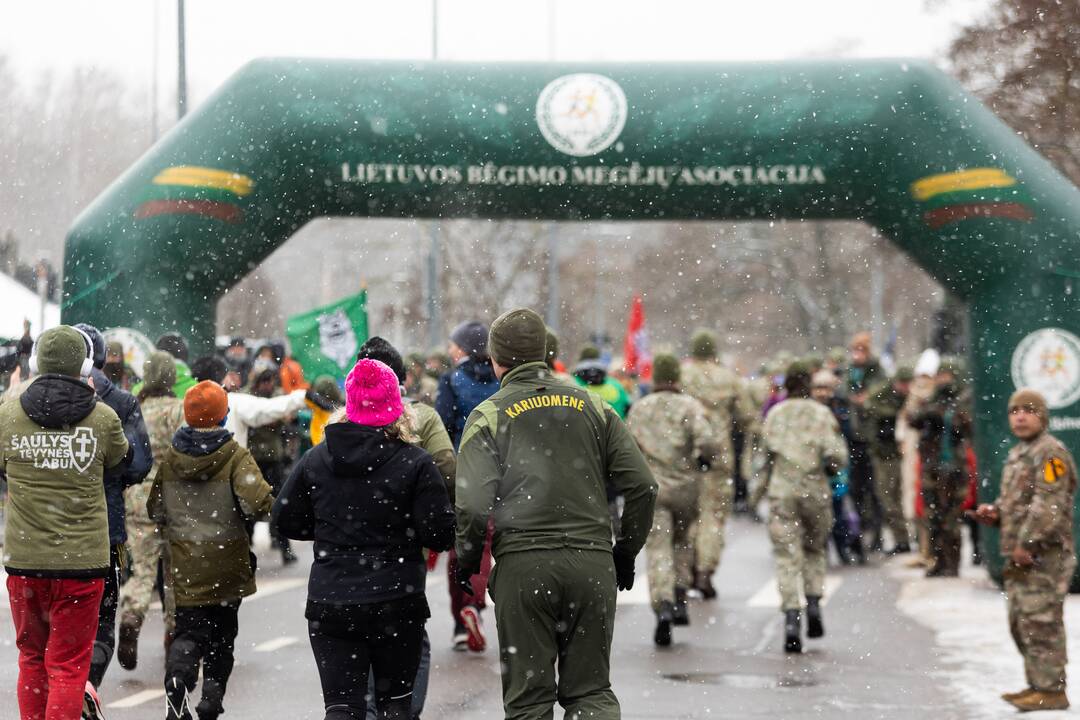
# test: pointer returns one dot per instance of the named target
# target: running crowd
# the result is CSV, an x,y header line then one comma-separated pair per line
x,y
541,481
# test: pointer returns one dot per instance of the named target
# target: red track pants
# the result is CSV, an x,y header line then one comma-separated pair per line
x,y
55,624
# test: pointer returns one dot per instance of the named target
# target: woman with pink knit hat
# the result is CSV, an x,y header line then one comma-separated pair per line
x,y
370,501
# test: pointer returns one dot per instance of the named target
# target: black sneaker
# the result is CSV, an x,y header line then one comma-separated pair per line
x,y
176,700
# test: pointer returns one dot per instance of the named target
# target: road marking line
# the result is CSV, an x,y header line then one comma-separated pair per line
x,y
275,644
769,595
768,633
137,699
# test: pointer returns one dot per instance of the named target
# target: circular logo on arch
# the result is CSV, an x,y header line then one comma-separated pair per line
x,y
1048,360
581,114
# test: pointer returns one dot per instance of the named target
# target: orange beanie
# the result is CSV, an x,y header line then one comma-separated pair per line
x,y
206,405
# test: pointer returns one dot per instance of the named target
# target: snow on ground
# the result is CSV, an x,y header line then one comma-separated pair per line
x,y
968,616
18,303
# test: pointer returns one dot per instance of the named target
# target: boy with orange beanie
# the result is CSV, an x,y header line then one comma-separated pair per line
x,y
206,491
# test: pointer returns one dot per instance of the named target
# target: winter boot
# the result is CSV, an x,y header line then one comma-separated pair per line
x,y
474,629
288,557
814,627
792,631
127,646
210,706
899,549
703,584
665,618
1009,697
1041,700
681,614
176,700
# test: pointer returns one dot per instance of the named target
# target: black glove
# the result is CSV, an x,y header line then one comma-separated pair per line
x,y
624,569
464,579
320,401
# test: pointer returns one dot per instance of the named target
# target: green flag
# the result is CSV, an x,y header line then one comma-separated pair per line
x,y
325,340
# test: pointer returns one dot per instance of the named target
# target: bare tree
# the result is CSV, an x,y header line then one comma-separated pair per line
x,y
1023,60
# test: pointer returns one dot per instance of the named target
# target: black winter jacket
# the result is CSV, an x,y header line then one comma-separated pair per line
x,y
370,504
139,460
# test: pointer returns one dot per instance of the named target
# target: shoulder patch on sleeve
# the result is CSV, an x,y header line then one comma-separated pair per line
x,y
1054,469
486,415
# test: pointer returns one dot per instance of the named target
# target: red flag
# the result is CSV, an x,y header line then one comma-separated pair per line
x,y
637,357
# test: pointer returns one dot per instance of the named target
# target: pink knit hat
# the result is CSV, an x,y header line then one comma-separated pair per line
x,y
372,394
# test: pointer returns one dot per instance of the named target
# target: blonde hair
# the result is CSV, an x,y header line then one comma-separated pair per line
x,y
403,429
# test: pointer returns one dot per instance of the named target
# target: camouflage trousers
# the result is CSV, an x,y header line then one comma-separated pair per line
x,y
799,528
943,492
147,546
1036,597
887,486
669,548
717,493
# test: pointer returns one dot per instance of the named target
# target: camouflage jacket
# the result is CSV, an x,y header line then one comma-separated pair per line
x,y
802,436
163,417
725,397
1036,500
881,409
944,426
672,431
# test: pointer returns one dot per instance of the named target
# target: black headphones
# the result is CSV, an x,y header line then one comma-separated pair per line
x,y
87,363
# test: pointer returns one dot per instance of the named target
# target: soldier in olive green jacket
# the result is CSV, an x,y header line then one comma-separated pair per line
x,y
538,456
206,490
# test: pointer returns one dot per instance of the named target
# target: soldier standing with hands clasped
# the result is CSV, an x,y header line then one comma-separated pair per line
x,y
1034,511
538,456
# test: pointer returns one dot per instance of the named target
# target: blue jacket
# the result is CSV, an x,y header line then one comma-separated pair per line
x,y
139,460
460,391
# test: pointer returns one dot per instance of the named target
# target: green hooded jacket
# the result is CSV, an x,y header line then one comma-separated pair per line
x,y
207,488
56,440
538,455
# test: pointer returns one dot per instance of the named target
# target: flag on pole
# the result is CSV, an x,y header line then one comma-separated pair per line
x,y
325,340
637,357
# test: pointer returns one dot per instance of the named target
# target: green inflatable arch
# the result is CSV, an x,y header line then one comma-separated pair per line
x,y
896,144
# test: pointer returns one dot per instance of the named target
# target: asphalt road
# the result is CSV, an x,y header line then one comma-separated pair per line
x,y
873,663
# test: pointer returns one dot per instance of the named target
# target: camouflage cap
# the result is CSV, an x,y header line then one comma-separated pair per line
x,y
1032,400
904,373
665,369
159,372
589,352
703,345
552,346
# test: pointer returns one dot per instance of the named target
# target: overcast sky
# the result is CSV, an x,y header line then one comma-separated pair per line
x,y
223,34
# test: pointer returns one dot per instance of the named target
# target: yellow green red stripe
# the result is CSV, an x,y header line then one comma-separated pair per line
x,y
204,177
975,179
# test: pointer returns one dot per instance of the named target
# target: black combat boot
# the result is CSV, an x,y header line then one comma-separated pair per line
x,y
792,631
665,617
210,706
703,584
681,615
814,627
